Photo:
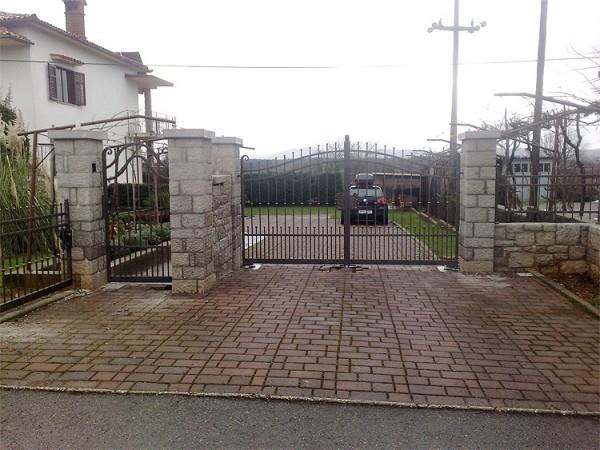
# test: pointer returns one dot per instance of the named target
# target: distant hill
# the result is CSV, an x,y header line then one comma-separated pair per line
x,y
591,156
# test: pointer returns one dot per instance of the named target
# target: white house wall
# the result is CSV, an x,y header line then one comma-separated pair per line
x,y
108,92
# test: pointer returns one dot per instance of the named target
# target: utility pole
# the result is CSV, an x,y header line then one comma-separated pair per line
x,y
456,29
506,168
537,111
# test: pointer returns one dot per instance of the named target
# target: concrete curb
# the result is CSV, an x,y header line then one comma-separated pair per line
x,y
308,400
35,304
566,293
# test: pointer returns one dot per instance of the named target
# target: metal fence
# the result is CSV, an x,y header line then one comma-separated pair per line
x,y
570,196
35,252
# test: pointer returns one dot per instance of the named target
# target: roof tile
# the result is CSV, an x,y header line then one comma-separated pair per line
x,y
5,33
7,19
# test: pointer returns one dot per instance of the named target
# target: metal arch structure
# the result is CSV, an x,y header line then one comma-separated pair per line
x,y
294,208
136,211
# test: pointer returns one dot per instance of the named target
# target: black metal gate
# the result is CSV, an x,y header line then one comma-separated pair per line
x,y
35,252
351,204
136,209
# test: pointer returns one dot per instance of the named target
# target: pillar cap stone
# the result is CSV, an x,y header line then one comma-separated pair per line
x,y
481,134
228,140
188,133
65,135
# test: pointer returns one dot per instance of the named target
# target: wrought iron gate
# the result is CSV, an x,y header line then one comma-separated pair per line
x,y
400,210
35,255
136,210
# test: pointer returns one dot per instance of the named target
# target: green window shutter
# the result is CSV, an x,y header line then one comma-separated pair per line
x,y
52,88
79,79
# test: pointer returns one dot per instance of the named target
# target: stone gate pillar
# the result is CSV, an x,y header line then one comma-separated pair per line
x,y
78,165
227,204
205,192
190,188
477,201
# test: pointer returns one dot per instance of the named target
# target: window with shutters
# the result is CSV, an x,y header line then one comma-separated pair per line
x,y
65,85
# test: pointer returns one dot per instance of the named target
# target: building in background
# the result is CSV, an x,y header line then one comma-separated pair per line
x,y
58,77
521,176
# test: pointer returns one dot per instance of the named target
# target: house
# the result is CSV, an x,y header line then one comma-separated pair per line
x,y
520,179
521,166
58,77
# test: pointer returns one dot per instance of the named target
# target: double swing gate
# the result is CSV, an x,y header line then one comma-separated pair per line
x,y
347,204
136,211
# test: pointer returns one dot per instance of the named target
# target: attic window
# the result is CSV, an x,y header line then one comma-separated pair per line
x,y
65,85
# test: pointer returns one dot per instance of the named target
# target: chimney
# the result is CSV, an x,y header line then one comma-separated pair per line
x,y
75,17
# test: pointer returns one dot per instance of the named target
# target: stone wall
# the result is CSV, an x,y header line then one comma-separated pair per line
x,y
547,247
204,184
227,209
78,179
222,224
593,252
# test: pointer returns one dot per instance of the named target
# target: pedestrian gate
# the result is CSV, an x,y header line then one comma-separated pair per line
x,y
401,209
136,211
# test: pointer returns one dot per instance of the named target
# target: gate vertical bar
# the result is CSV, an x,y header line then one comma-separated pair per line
x,y
243,159
457,174
346,190
69,239
106,213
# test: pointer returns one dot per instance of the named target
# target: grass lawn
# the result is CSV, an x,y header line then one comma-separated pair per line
x,y
19,261
17,264
439,238
290,210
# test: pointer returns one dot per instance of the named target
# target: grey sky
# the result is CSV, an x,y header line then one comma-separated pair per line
x,y
275,110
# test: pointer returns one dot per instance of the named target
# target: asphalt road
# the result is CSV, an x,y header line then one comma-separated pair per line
x,y
66,420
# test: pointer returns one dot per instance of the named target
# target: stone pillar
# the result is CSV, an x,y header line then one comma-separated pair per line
x,y
477,202
190,188
78,163
227,204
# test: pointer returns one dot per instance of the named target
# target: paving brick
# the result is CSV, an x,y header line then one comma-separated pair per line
x,y
503,393
14,374
104,376
427,390
400,335
42,367
144,377
400,397
353,386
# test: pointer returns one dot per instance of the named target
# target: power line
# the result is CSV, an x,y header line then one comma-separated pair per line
x,y
299,67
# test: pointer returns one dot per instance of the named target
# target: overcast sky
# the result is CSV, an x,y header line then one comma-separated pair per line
x,y
275,110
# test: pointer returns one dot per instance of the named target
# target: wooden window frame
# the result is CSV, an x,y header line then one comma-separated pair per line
x,y
66,86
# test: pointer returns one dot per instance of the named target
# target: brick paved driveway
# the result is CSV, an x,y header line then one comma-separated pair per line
x,y
388,334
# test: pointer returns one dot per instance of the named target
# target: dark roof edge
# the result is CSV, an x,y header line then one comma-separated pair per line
x,y
33,19
5,33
